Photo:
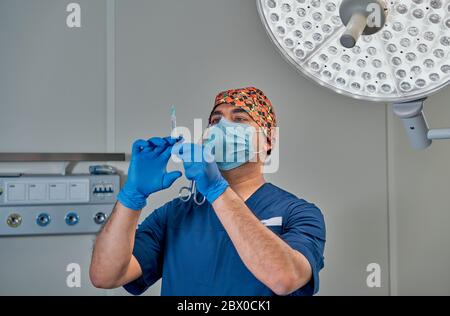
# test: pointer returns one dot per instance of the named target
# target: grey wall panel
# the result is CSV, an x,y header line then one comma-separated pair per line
x,y
421,206
52,83
37,265
52,98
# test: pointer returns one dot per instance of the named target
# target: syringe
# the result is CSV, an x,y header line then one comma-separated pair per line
x,y
173,118
191,190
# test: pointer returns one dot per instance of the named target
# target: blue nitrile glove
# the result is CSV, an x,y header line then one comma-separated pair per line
x,y
199,165
147,172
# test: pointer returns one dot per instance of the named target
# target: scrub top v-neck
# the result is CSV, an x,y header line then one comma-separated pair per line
x,y
186,245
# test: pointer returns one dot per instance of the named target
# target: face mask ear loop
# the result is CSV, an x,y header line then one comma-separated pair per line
x,y
262,150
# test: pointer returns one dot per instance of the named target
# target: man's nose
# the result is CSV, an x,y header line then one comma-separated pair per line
x,y
228,117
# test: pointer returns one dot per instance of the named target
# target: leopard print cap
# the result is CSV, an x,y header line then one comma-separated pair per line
x,y
255,103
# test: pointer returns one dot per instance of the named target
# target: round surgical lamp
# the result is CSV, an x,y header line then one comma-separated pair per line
x,y
375,50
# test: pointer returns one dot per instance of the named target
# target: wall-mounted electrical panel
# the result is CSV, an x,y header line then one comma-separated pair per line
x,y
52,204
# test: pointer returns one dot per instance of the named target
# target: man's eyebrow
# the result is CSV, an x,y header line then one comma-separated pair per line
x,y
239,110
216,112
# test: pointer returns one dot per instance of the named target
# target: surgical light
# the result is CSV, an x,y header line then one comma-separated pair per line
x,y
399,54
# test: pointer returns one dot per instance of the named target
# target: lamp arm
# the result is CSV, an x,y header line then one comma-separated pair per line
x,y
439,133
416,127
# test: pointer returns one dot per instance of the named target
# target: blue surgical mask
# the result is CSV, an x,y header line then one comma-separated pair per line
x,y
230,143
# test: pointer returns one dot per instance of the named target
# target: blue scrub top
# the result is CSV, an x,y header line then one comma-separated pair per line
x,y
188,247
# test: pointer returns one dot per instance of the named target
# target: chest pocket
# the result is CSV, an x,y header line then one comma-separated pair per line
x,y
275,224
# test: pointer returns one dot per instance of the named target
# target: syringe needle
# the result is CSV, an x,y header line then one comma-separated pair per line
x,y
173,118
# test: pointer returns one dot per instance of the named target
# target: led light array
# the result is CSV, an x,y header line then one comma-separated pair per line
x,y
408,59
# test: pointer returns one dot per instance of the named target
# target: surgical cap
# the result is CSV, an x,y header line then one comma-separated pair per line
x,y
255,103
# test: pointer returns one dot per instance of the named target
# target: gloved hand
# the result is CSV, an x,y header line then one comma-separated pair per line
x,y
147,171
199,165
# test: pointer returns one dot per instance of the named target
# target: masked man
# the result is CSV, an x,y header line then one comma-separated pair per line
x,y
250,237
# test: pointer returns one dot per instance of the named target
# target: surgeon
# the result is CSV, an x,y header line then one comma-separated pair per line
x,y
249,238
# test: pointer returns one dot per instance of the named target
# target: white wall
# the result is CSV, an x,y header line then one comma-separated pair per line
x,y
332,149
52,98
421,206
52,78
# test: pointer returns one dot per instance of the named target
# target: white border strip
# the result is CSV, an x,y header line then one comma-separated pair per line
x,y
110,76
391,204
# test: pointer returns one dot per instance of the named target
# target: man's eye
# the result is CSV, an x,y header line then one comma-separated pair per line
x,y
240,119
214,121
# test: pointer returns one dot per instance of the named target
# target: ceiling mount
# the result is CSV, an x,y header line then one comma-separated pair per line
x,y
361,17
